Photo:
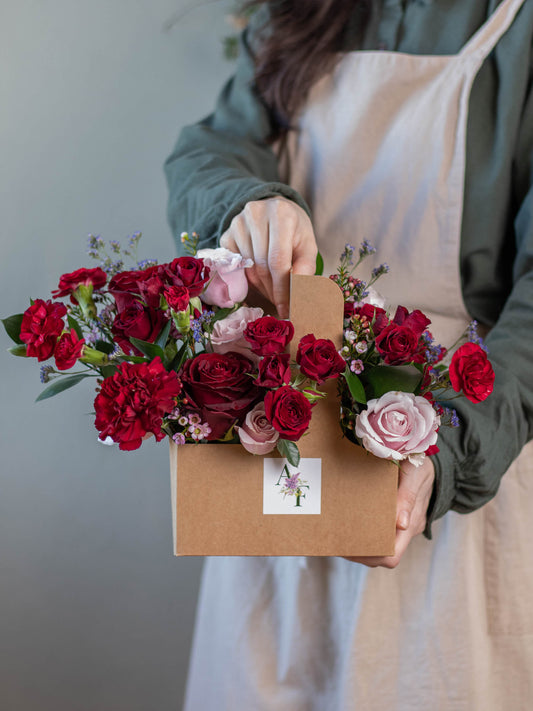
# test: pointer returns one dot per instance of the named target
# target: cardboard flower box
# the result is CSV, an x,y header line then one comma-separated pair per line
x,y
339,501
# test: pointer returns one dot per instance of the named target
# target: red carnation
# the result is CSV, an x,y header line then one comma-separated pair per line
x,y
137,321
41,326
68,350
177,297
268,335
220,387
274,371
68,283
319,359
133,401
288,411
471,372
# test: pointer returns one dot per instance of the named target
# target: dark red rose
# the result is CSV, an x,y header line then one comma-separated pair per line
x,y
68,350
219,386
471,372
137,321
268,335
397,344
187,271
274,371
41,326
68,283
288,411
151,290
133,401
415,320
319,359
373,312
126,286
177,297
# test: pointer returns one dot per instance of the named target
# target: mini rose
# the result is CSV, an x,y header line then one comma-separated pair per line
x,y
471,372
228,284
257,434
288,411
269,335
398,426
192,272
228,333
274,371
319,359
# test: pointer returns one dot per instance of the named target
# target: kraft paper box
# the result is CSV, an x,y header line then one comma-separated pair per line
x,y
226,501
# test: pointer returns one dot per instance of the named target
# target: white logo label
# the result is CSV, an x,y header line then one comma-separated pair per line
x,y
292,490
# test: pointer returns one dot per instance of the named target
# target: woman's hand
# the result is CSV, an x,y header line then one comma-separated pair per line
x,y
278,235
414,491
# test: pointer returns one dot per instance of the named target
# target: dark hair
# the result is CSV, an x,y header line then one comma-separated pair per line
x,y
300,45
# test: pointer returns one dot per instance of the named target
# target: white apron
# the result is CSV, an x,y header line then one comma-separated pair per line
x,y
380,155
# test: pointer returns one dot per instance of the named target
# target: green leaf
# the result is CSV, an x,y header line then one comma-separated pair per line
x,y
109,370
319,270
61,384
163,336
151,350
18,350
104,347
385,378
356,387
75,325
222,313
179,358
12,325
290,451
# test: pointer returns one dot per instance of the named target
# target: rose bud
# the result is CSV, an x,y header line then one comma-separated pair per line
x,y
228,285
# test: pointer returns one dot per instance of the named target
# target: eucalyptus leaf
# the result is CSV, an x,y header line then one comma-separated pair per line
x,y
319,270
151,350
63,383
12,325
385,378
74,325
18,350
355,386
290,451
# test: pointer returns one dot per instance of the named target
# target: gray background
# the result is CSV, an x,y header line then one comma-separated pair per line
x,y
95,612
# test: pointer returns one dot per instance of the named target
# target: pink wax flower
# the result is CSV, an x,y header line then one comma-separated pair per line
x,y
257,434
228,284
398,426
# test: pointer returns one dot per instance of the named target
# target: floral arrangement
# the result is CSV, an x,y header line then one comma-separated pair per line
x,y
176,352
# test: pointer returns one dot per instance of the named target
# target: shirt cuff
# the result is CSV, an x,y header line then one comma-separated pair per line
x,y
444,486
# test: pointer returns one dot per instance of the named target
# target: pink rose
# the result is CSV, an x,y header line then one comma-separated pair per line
x,y
398,426
228,284
257,434
227,333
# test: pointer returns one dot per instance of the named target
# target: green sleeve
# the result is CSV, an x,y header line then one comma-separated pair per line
x,y
474,457
225,160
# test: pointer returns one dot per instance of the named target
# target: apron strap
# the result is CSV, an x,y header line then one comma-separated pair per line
x,y
484,40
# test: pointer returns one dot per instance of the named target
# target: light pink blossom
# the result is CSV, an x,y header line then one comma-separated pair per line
x,y
398,426
228,283
227,333
257,434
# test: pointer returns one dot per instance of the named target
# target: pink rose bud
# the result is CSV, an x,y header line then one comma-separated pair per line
x,y
257,434
227,333
398,426
228,284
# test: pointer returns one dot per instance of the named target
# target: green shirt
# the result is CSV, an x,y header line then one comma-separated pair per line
x,y
224,161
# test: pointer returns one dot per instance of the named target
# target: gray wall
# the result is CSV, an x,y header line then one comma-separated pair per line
x,y
95,612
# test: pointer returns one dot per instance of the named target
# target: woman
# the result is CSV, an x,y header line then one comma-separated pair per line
x,y
417,136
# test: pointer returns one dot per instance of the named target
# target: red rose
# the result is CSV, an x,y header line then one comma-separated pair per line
x,y
177,297
126,286
288,411
133,401
471,372
399,342
373,312
319,359
219,386
68,283
137,321
41,326
415,320
68,350
187,271
268,335
274,371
